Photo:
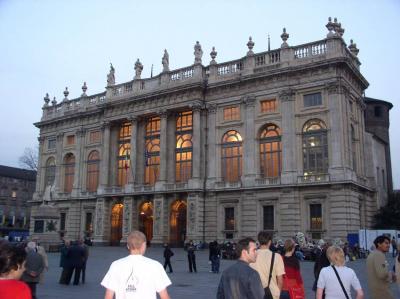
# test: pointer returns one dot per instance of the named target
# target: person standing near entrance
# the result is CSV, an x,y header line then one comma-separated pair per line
x,y
191,256
167,257
136,276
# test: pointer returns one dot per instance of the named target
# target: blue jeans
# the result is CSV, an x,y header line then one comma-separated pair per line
x,y
215,263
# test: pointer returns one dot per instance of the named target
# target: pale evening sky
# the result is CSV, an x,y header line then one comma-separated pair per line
x,y
47,45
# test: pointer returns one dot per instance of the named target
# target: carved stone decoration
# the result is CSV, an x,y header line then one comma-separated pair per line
x,y
284,37
111,76
54,101
249,101
287,95
212,108
196,105
105,124
163,113
198,53
165,61
46,100
330,28
353,48
99,216
138,69
332,88
66,93
192,216
250,45
157,223
213,55
127,216
84,88
60,137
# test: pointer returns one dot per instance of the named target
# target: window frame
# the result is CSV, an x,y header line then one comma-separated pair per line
x,y
312,99
231,156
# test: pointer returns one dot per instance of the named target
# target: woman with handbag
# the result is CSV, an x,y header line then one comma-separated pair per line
x,y
337,279
292,281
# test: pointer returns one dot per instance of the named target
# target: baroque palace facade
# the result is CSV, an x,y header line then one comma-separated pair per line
x,y
274,140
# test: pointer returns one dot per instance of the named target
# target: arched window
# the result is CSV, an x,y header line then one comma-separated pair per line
x,y
354,148
124,153
270,151
50,172
69,171
231,156
152,150
315,147
184,147
92,176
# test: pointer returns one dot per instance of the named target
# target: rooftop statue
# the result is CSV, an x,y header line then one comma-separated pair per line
x,y
165,61
111,76
198,53
138,69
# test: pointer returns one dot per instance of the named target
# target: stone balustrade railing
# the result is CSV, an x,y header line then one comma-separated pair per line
x,y
217,72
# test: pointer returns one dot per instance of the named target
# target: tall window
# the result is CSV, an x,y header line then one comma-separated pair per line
x,y
69,167
152,150
315,216
184,147
353,148
63,217
268,106
94,136
229,222
89,222
124,153
315,147
270,151
51,143
50,171
231,156
312,99
268,217
70,139
232,113
92,177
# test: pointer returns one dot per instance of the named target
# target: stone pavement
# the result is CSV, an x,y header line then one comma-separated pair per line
x,y
184,284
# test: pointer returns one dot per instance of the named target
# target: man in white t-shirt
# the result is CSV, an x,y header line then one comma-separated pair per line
x,y
136,276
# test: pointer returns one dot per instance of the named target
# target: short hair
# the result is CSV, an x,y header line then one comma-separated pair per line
x,y
289,245
335,255
11,257
264,237
135,239
31,245
243,244
380,240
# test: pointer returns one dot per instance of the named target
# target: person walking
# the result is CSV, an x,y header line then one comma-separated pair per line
x,y
215,256
336,280
168,253
136,276
292,280
34,266
378,274
321,261
270,266
240,281
191,256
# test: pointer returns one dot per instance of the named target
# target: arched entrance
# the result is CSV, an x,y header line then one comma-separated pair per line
x,y
178,223
116,223
146,219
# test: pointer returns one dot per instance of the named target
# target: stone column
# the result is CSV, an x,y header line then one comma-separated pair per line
x,y
133,155
41,173
158,224
127,217
289,148
248,161
211,142
100,218
195,217
105,158
59,162
163,149
196,108
80,136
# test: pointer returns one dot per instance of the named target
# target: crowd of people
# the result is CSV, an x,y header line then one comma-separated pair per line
x,y
73,258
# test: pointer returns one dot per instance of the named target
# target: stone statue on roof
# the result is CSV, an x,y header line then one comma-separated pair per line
x,y
198,53
111,76
138,69
165,61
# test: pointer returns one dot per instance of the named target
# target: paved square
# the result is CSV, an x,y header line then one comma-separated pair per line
x,y
184,284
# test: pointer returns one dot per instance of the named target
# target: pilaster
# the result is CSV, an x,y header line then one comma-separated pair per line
x,y
80,136
133,154
212,148
41,170
163,149
249,142
105,159
127,216
196,139
158,224
59,162
195,214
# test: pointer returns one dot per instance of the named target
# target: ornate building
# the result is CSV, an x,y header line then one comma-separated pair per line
x,y
274,140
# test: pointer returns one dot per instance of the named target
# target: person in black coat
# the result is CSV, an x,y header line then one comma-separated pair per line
x,y
167,257
215,254
63,262
74,262
191,256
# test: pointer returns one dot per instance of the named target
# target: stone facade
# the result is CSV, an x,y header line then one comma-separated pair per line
x,y
273,140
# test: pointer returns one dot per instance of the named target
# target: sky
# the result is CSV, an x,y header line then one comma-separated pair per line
x,y
48,45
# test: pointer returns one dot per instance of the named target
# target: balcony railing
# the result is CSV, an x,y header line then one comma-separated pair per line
x,y
313,178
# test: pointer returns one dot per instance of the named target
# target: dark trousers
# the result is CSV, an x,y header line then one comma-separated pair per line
x,y
167,262
215,263
77,275
32,286
192,262
394,252
83,272
63,277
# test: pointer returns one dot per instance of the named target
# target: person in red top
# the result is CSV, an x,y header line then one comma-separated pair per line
x,y
292,280
12,265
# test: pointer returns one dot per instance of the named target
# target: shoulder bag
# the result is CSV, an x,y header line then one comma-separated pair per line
x,y
267,291
340,281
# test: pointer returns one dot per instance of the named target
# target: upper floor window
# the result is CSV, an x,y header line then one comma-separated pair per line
x,y
268,106
70,139
92,177
50,172
232,113
51,143
315,147
69,172
184,147
94,136
124,153
312,99
231,156
152,150
270,151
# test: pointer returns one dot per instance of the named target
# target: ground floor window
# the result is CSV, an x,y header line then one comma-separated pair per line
x,y
315,217
268,217
229,222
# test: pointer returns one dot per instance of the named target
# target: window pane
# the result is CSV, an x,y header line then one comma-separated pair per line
x,y
268,106
312,99
316,216
268,217
229,218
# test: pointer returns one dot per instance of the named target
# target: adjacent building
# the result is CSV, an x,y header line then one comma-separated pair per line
x,y
281,140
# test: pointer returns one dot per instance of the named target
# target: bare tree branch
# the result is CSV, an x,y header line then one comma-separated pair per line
x,y
29,160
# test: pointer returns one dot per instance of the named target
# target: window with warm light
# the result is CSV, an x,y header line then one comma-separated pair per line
x,y
50,172
268,106
70,139
14,193
93,168
315,148
184,147
231,113
230,218
315,217
231,156
152,150
270,151
124,154
94,137
89,222
69,172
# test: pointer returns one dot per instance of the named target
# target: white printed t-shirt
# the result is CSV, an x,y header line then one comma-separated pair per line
x,y
327,280
136,277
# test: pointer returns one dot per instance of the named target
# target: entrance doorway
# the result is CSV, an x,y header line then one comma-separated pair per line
x,y
178,223
116,224
146,219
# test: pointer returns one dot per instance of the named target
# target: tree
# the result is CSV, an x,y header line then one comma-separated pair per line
x,y
388,216
29,160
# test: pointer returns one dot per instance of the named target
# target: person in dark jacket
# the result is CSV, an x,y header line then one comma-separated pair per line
x,y
34,266
215,254
63,262
75,259
167,257
86,250
321,261
191,256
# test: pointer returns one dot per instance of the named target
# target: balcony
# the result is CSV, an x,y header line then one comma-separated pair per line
x,y
313,178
